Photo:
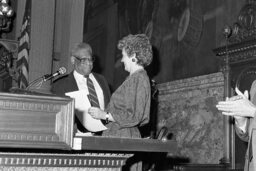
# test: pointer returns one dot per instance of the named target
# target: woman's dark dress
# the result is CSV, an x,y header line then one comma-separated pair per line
x,y
130,106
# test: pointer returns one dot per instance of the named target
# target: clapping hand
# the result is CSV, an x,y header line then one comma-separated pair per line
x,y
238,106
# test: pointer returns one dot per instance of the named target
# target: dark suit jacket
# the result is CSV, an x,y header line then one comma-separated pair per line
x,y
68,83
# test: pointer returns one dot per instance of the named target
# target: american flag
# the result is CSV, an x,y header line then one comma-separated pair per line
x,y
24,46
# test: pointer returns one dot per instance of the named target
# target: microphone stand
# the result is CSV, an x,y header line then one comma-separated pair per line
x,y
37,83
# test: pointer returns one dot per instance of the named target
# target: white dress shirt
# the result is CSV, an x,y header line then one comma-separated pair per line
x,y
82,84
242,127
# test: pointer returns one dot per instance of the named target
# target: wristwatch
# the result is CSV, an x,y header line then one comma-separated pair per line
x,y
107,117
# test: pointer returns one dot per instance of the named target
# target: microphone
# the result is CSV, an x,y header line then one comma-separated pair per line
x,y
61,70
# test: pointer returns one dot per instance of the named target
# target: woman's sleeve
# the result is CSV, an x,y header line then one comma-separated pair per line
x,y
131,106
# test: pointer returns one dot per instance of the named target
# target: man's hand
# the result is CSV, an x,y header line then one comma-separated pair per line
x,y
238,106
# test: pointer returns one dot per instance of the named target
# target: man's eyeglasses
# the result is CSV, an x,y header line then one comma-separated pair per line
x,y
85,60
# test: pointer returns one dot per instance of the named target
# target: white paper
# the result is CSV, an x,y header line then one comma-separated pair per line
x,y
82,104
83,134
77,143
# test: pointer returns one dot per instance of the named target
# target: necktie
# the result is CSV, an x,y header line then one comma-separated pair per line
x,y
93,98
92,93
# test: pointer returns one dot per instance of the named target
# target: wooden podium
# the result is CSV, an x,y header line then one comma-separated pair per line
x,y
36,121
36,131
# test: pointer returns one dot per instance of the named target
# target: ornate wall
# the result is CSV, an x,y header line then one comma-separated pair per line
x,y
187,108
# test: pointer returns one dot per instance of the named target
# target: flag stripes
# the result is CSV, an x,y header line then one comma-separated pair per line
x,y
23,50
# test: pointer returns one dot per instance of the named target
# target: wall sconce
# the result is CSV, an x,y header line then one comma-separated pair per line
x,y
6,12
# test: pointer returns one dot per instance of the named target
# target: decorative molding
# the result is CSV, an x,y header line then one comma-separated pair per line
x,y
99,160
244,28
241,43
239,52
16,136
28,106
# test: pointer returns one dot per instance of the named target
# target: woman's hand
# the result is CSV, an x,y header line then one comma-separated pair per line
x,y
97,113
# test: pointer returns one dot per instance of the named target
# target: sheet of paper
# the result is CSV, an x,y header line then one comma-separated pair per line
x,y
77,143
82,105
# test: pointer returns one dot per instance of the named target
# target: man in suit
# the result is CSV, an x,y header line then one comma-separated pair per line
x,y
82,59
244,111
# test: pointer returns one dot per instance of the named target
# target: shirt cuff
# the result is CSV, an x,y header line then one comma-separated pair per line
x,y
241,127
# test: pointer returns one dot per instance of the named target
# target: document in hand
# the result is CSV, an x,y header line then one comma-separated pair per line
x,y
82,104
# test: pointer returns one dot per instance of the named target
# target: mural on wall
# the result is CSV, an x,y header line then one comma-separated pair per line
x,y
181,34
185,32
180,31
134,17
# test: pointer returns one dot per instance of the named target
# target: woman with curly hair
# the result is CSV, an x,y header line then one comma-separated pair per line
x,y
129,105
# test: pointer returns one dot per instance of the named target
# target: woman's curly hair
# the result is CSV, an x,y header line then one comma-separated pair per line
x,y
138,44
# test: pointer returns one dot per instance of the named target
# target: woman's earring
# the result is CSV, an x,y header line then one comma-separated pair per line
x,y
133,60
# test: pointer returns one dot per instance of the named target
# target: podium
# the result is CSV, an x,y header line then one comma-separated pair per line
x,y
37,131
36,121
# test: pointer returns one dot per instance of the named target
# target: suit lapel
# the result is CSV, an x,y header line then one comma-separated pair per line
x,y
72,86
